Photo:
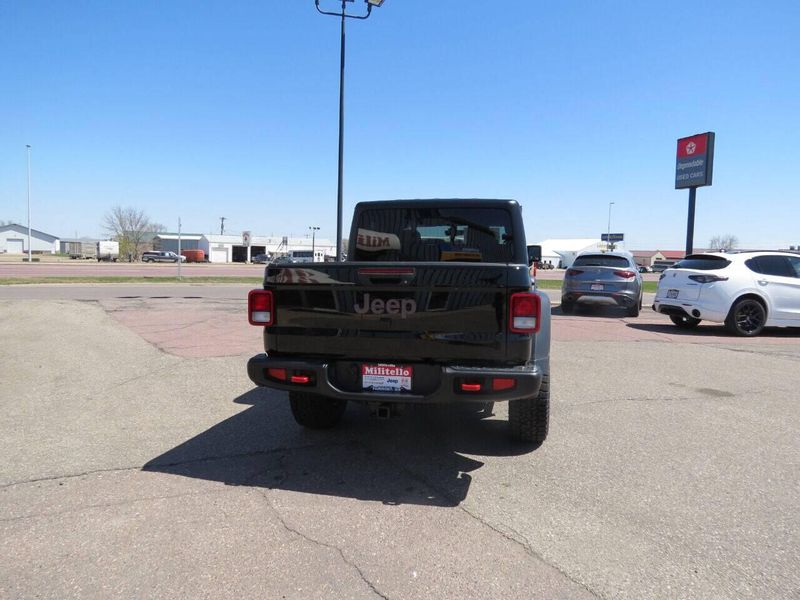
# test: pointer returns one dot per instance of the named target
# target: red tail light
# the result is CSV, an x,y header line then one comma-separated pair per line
x,y
573,272
625,274
260,309
524,313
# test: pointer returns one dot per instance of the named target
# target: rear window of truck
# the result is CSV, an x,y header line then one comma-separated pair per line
x,y
435,234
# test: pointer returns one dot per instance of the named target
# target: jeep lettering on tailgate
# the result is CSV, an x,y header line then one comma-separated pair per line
x,y
393,306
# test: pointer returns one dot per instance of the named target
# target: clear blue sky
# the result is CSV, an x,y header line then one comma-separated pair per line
x,y
209,109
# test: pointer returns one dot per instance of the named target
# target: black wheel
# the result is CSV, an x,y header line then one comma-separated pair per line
x,y
684,321
529,418
316,412
746,318
633,311
567,307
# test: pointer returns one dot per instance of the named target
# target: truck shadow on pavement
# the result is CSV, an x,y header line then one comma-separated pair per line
x,y
414,459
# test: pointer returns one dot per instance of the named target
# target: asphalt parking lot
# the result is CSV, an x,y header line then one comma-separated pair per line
x,y
141,462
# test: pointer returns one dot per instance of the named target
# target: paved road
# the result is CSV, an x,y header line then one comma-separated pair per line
x,y
140,461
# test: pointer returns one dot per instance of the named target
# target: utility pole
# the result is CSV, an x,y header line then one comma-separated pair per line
x,y
29,202
609,246
222,225
179,249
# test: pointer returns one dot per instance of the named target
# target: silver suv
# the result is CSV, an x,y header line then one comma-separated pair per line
x,y
608,278
162,257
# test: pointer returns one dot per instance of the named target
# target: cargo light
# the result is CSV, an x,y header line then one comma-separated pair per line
x,y
260,308
524,313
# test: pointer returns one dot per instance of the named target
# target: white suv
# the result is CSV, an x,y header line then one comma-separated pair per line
x,y
745,290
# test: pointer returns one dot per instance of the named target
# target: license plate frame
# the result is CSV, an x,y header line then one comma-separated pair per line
x,y
673,294
597,287
385,377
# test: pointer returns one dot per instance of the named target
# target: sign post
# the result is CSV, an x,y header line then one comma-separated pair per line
x,y
694,168
246,236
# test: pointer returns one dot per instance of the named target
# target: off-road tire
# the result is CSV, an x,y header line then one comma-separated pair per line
x,y
529,418
684,321
316,412
746,317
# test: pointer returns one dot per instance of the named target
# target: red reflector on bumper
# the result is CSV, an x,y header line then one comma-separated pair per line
x,y
470,387
503,383
277,374
300,379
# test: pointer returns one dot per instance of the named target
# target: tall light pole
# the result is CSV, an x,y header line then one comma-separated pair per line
x,y
340,189
608,240
314,230
28,146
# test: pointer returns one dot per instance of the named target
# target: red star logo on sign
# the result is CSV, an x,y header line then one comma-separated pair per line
x,y
691,147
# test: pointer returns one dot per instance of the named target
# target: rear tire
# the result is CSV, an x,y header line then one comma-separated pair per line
x,y
529,418
684,321
746,318
316,412
567,307
633,311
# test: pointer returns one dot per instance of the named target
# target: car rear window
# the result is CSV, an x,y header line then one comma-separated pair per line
x,y
703,262
601,260
431,234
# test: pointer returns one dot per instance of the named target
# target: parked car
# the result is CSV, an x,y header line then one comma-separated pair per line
x,y
260,258
603,278
645,269
155,256
745,290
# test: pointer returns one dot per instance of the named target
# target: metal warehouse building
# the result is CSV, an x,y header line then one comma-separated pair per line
x,y
14,240
231,248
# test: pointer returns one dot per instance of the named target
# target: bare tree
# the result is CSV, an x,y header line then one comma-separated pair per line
x,y
130,226
723,242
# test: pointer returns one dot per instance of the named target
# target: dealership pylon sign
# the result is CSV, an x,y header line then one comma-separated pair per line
x,y
694,165
694,168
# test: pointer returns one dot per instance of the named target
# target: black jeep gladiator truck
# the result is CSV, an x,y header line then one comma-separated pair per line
x,y
434,304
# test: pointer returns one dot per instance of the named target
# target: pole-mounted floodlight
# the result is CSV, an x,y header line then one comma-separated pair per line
x,y
340,189
314,231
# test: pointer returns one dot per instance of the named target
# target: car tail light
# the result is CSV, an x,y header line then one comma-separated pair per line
x,y
524,313
260,310
500,384
625,274
573,272
707,278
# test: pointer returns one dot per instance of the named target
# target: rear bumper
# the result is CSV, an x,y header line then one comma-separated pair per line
x,y
696,310
528,380
624,298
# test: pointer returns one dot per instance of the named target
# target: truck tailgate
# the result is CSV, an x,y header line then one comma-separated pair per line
x,y
428,312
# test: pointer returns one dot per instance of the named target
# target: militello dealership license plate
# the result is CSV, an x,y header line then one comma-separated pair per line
x,y
386,378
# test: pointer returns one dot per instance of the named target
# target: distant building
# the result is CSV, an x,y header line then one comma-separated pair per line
x,y
231,248
14,240
562,253
168,242
647,258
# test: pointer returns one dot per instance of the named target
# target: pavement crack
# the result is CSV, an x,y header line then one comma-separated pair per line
x,y
321,544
